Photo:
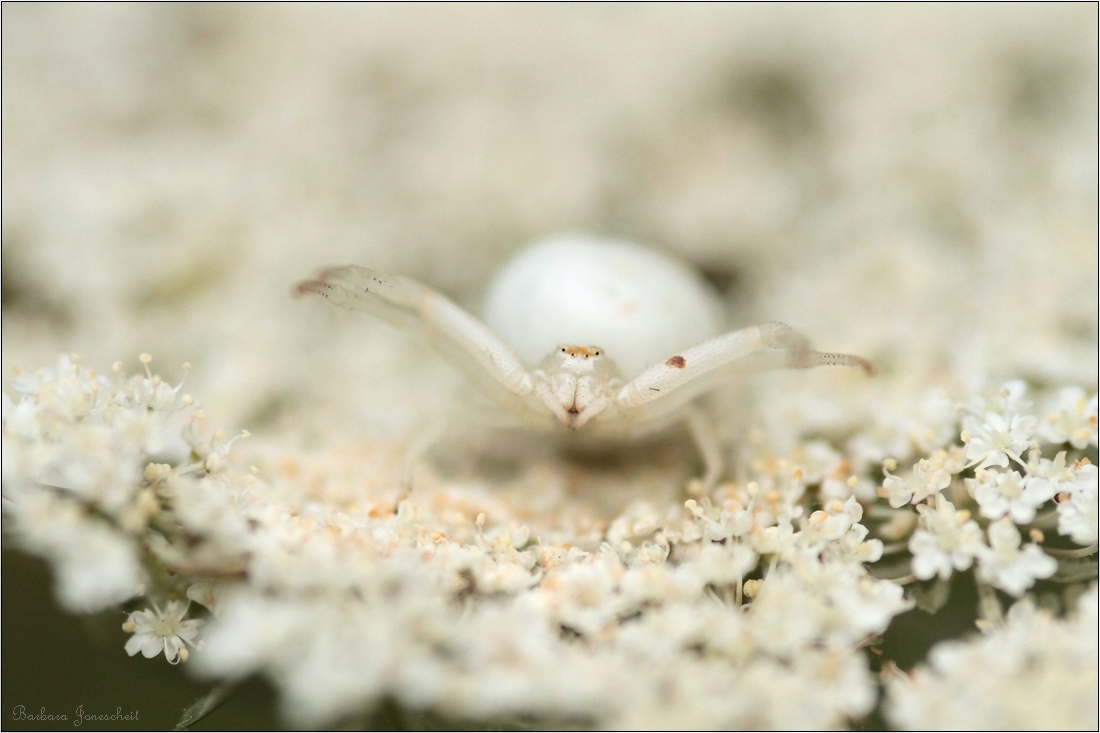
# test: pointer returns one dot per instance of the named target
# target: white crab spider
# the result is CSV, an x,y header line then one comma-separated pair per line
x,y
584,334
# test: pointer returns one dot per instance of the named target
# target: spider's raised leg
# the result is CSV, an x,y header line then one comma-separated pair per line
x,y
669,385
460,337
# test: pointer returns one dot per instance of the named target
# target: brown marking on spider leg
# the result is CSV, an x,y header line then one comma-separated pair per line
x,y
320,285
310,286
867,367
676,362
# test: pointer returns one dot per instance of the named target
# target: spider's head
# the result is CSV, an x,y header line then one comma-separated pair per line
x,y
579,383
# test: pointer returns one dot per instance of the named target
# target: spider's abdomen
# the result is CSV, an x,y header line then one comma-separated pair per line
x,y
637,304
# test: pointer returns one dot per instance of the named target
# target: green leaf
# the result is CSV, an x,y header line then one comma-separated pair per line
x,y
206,705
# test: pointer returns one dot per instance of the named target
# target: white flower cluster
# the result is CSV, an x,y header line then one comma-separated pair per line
x,y
715,614
992,682
995,436
74,446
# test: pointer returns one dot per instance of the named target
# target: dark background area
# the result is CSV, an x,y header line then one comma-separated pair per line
x,y
58,662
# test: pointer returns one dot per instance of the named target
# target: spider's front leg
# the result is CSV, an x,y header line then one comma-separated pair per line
x,y
670,386
458,336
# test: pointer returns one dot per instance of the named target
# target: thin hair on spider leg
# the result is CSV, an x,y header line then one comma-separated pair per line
x,y
809,359
846,360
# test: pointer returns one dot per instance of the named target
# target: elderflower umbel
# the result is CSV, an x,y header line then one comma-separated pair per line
x,y
996,438
995,428
1072,419
156,631
1007,566
946,540
1047,478
927,478
1006,492
1078,514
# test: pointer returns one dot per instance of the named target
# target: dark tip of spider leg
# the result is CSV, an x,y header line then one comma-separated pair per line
x,y
306,286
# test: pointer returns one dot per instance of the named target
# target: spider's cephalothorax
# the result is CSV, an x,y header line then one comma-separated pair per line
x,y
576,383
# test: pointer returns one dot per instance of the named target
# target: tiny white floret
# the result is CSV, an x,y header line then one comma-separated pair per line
x,y
156,631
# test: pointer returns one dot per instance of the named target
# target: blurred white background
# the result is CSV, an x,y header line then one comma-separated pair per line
x,y
914,183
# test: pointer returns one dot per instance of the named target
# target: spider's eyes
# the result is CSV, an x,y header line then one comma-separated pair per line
x,y
585,351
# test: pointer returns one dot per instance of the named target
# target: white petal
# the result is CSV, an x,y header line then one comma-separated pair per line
x,y
172,646
135,643
152,646
188,630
